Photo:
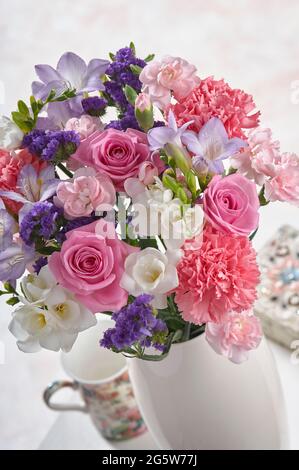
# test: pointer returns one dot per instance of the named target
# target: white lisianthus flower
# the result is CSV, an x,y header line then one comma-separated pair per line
x,y
151,272
10,135
51,318
179,223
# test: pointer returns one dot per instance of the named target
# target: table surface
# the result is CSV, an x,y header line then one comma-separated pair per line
x,y
74,430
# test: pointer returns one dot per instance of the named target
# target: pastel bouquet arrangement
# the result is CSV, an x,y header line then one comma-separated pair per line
x,y
132,188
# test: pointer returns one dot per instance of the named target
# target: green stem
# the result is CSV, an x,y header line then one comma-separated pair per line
x,y
187,330
65,170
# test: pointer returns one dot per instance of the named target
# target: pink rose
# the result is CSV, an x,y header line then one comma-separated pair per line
x,y
115,153
84,125
231,204
174,74
91,264
235,336
85,193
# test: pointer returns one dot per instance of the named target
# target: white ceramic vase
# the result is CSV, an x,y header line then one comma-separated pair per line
x,y
196,399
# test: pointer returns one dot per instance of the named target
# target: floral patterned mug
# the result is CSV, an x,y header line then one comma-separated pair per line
x,y
102,379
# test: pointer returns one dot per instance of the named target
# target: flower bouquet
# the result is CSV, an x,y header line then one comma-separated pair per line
x,y
132,187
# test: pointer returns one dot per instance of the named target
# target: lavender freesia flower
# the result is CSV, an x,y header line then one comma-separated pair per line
x,y
158,137
136,324
13,261
211,146
7,224
71,72
33,186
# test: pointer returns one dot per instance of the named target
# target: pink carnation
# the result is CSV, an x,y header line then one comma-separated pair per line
x,y
235,336
216,98
11,164
114,153
171,74
84,125
217,274
85,193
252,161
283,182
91,264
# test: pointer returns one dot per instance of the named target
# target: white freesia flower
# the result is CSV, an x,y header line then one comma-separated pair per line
x,y
10,135
151,272
51,318
179,223
148,203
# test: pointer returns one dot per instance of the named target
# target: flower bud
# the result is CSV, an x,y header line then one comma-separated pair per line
x,y
191,182
181,194
181,157
144,111
170,183
147,173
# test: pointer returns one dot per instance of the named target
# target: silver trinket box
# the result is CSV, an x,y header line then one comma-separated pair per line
x,y
278,293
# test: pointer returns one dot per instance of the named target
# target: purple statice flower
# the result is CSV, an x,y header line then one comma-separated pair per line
x,y
211,146
135,324
126,121
94,106
40,222
39,264
120,74
52,146
72,224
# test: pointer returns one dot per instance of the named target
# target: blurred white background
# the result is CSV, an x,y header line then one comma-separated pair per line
x,y
252,44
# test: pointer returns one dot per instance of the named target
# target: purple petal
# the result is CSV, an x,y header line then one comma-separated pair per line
x,y
48,189
216,166
36,88
43,92
172,122
200,165
13,261
214,130
159,136
28,183
190,139
72,68
97,67
47,74
13,196
6,226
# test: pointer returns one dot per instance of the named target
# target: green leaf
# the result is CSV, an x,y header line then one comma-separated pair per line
x,y
136,69
12,301
253,234
132,46
149,57
23,108
130,94
20,121
112,56
9,288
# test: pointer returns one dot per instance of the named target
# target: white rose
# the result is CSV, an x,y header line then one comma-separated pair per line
x,y
10,135
51,317
179,223
151,272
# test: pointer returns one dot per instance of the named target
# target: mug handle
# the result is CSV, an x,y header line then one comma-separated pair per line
x,y
53,387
